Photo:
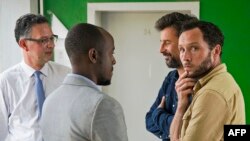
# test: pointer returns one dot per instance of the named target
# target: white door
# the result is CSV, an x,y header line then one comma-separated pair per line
x,y
140,68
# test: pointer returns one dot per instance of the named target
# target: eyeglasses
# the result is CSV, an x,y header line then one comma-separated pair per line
x,y
44,41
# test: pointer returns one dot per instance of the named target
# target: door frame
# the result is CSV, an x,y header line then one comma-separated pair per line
x,y
94,10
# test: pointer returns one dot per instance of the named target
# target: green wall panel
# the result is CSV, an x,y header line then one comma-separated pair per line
x,y
69,12
233,17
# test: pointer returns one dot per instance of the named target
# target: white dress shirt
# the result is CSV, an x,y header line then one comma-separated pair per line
x,y
18,106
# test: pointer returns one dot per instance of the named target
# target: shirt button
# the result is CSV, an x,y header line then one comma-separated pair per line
x,y
173,105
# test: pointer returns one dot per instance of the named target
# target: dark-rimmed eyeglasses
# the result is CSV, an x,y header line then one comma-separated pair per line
x,y
44,41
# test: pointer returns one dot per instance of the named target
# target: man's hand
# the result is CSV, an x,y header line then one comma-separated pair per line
x,y
162,104
184,87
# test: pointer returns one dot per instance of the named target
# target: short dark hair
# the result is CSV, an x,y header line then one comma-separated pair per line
x,y
82,37
25,23
211,33
175,20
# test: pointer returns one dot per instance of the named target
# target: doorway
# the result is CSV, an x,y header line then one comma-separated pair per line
x,y
140,68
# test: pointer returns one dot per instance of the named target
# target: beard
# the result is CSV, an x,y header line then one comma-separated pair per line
x,y
203,69
103,82
173,62
103,77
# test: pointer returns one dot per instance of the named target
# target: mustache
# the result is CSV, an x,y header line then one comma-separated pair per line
x,y
187,64
167,54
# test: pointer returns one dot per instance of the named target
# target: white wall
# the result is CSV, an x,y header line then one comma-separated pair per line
x,y
60,55
10,11
140,68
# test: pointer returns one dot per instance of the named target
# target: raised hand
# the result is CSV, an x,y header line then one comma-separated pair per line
x,y
184,87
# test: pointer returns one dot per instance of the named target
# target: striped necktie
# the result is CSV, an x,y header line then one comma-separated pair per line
x,y
39,91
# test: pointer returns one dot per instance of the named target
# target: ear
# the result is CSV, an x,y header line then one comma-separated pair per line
x,y
92,54
22,43
217,50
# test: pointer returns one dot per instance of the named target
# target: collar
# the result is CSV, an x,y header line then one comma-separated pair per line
x,y
204,80
90,82
30,71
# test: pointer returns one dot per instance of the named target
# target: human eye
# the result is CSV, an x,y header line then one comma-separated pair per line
x,y
181,49
168,42
194,48
44,40
53,38
165,42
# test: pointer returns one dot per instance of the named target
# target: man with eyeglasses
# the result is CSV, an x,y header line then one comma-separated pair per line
x,y
24,87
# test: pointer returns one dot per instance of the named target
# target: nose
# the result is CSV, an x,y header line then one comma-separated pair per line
x,y
162,47
50,44
185,56
114,61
